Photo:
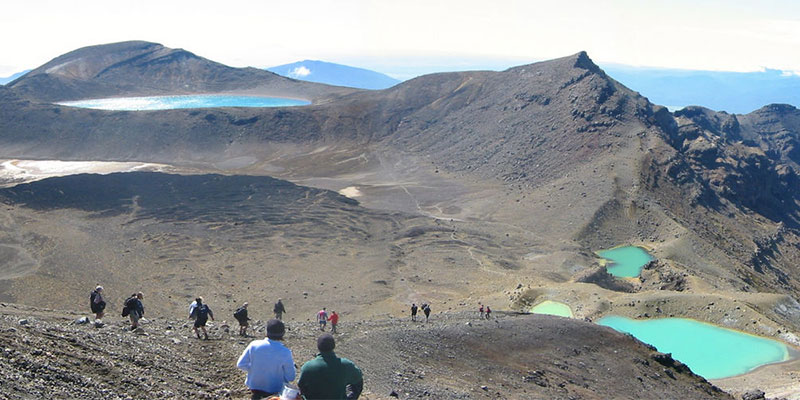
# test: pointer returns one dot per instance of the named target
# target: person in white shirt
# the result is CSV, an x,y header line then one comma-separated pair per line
x,y
269,363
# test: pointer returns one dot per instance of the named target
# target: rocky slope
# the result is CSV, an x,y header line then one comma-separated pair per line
x,y
46,353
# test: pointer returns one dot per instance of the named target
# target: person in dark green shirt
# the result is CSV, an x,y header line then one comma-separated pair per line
x,y
328,376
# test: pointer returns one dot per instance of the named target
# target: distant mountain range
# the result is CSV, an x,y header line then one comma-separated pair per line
x,y
335,74
734,92
7,79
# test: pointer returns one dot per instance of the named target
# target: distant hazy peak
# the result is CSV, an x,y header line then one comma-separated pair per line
x,y
335,74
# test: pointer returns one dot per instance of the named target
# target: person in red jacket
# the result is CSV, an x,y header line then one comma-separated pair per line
x,y
334,318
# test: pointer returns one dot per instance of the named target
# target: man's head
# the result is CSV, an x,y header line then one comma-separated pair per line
x,y
98,289
244,305
139,295
275,329
198,300
326,343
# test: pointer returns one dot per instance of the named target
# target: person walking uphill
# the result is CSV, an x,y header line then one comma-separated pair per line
x,y
268,363
427,310
414,311
97,303
279,310
328,376
201,314
242,318
135,309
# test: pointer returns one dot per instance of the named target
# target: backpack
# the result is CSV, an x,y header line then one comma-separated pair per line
x,y
201,312
130,306
239,314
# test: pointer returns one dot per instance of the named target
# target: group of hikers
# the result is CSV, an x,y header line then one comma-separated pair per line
x,y
323,318
485,311
268,362
426,309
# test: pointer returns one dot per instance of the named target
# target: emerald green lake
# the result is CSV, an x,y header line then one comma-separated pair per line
x,y
710,351
626,262
552,308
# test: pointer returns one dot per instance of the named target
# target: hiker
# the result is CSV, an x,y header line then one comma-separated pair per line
x,y
413,312
279,310
322,317
135,309
97,303
241,316
334,318
480,310
201,314
328,376
488,312
427,310
269,363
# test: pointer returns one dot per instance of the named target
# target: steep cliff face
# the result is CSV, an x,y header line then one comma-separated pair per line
x,y
752,164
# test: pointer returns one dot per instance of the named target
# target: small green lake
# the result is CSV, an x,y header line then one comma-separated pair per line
x,y
626,262
710,351
550,307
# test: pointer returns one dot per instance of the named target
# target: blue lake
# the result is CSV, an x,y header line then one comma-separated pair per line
x,y
191,101
710,351
627,261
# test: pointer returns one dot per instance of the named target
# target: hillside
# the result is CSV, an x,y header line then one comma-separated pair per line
x,y
139,68
165,361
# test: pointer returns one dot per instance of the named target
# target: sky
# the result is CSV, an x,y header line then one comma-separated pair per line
x,y
393,36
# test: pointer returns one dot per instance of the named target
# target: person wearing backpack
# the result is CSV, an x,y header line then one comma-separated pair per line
x,y
241,316
135,309
201,314
279,310
426,308
97,303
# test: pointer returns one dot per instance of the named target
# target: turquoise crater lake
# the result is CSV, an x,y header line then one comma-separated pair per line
x,y
174,102
710,351
627,261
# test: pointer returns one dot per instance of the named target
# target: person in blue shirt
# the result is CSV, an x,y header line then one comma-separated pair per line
x,y
269,363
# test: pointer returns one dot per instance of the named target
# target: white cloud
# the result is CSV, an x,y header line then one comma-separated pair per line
x,y
300,72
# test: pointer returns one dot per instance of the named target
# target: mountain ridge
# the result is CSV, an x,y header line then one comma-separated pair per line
x,y
469,186
137,68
